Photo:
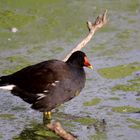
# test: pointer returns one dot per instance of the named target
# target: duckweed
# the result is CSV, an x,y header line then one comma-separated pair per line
x,y
119,71
17,63
37,132
16,58
108,28
135,80
19,108
136,123
124,35
85,121
69,124
10,19
98,136
133,85
46,133
1,136
13,69
7,116
125,109
93,102
114,98
138,99
57,50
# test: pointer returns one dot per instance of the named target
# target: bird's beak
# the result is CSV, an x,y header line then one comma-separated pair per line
x,y
91,67
86,63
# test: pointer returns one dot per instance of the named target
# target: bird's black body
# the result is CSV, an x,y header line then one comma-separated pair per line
x,y
48,84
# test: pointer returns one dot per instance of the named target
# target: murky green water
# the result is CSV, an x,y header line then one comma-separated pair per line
x,y
109,106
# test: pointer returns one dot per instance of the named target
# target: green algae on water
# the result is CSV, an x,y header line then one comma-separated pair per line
x,y
133,85
108,28
89,79
135,80
114,98
119,71
38,132
19,108
1,136
7,116
17,59
14,69
136,123
69,124
11,19
125,109
86,121
100,127
124,34
57,50
93,102
46,133
98,136
138,99
17,63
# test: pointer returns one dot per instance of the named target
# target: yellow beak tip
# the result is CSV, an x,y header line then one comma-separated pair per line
x,y
91,67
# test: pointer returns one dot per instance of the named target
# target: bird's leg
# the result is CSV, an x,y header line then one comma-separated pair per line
x,y
47,116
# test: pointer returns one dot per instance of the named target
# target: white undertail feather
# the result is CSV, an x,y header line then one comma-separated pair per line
x,y
8,87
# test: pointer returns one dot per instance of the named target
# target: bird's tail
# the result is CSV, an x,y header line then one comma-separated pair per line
x,y
5,83
4,80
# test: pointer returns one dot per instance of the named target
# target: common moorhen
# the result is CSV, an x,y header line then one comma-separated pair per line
x,y
48,84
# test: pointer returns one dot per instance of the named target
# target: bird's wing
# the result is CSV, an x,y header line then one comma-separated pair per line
x,y
36,78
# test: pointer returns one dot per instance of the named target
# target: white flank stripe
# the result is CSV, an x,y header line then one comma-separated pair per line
x,y
9,87
40,96
53,84
45,91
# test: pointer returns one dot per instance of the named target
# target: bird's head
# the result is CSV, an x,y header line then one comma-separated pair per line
x,y
80,59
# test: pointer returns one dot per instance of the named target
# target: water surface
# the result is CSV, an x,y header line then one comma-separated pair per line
x,y
109,106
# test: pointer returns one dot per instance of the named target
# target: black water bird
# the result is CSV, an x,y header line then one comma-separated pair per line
x,y
48,84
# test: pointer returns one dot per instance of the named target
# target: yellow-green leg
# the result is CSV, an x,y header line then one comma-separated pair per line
x,y
47,116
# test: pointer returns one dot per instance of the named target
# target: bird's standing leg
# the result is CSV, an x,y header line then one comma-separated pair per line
x,y
47,116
